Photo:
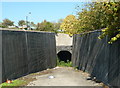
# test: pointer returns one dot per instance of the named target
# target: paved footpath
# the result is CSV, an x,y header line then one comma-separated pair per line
x,y
63,76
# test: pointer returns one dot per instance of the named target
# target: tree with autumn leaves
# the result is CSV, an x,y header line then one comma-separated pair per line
x,y
70,25
96,15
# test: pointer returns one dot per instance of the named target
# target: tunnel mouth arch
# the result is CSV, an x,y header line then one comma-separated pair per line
x,y
64,56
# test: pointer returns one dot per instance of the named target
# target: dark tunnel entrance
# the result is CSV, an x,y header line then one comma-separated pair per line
x,y
64,56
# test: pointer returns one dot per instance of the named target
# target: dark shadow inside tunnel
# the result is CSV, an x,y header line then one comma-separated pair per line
x,y
64,56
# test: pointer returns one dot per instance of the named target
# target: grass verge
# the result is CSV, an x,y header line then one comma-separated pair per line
x,y
23,81
14,84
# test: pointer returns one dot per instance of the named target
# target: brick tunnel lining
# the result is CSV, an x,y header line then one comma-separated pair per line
x,y
64,56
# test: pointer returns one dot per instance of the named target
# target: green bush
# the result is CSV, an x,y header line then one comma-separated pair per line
x,y
64,64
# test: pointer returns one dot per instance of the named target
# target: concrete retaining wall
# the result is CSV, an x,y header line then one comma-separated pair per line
x,y
63,39
24,52
63,42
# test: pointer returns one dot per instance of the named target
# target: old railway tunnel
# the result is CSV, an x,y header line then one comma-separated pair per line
x,y
64,47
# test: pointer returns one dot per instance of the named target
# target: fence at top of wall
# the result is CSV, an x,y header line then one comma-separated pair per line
x,y
97,57
24,52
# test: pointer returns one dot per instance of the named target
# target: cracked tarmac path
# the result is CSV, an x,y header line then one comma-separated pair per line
x,y
63,76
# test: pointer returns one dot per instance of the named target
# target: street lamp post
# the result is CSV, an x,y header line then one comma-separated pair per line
x,y
27,21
